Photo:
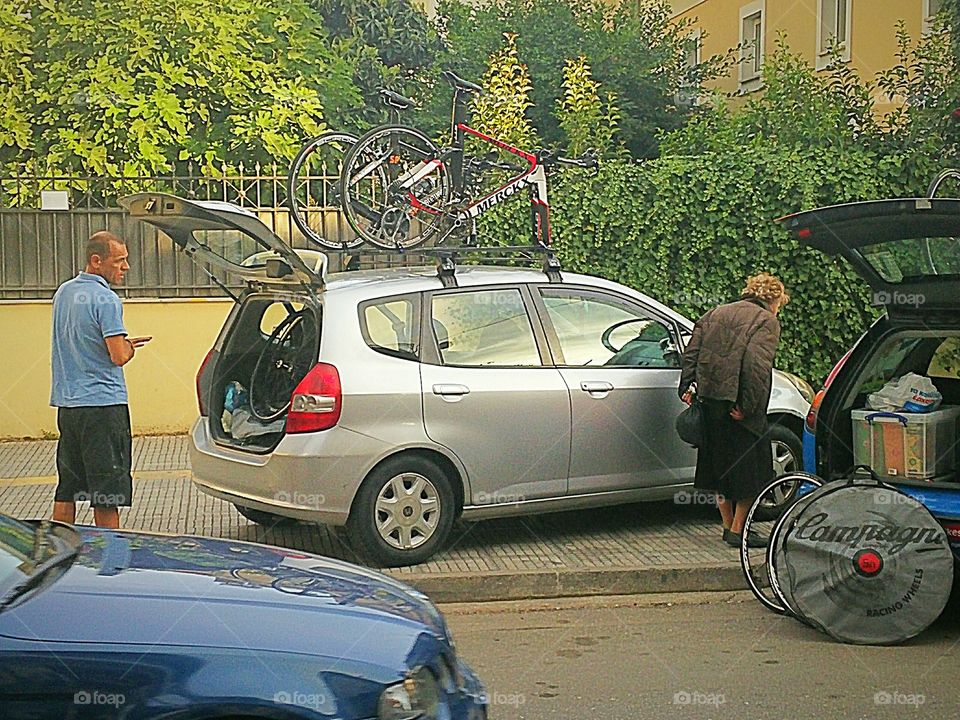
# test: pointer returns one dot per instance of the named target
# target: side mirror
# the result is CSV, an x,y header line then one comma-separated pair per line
x,y
671,353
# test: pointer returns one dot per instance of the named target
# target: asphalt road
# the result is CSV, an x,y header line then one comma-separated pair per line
x,y
698,657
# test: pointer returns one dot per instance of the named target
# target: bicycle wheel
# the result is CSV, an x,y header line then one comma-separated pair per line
x,y
758,572
413,204
313,191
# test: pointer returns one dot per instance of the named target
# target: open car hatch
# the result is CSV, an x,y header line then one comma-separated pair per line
x,y
907,249
229,237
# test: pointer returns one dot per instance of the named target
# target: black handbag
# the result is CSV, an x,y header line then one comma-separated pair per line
x,y
690,423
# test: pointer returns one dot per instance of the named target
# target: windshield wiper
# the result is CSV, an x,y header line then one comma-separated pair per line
x,y
35,578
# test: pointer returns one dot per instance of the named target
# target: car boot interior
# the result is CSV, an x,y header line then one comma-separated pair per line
x,y
270,348
932,354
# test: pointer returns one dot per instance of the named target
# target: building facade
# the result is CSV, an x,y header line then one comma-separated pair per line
x,y
864,31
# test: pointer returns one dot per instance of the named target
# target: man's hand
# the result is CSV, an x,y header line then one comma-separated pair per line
x,y
122,348
736,413
138,342
688,397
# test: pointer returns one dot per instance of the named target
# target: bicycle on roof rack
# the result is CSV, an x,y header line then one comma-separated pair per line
x,y
313,182
398,189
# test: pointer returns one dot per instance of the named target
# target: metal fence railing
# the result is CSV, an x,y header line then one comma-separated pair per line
x,y
40,249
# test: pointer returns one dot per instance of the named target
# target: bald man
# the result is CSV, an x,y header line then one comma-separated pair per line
x,y
90,348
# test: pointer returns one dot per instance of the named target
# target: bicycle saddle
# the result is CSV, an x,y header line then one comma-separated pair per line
x,y
395,99
459,83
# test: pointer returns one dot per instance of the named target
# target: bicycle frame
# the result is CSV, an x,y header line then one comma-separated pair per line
x,y
534,177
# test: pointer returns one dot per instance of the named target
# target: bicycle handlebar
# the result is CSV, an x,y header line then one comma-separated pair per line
x,y
587,160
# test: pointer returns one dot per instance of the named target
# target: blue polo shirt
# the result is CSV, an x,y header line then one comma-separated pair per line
x,y
85,311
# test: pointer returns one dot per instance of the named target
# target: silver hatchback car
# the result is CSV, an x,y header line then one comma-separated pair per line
x,y
394,401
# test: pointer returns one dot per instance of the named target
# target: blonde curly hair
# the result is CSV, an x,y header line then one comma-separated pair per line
x,y
766,287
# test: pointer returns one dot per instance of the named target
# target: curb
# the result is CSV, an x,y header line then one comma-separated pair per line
x,y
543,584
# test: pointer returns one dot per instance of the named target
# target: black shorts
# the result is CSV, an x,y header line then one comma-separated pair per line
x,y
93,456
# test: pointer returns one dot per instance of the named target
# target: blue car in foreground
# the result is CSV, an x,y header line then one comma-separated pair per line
x,y
908,251
104,623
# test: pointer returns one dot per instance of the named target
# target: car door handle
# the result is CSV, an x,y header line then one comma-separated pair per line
x,y
596,386
447,390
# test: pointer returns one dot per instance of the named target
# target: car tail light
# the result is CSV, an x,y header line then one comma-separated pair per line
x,y
811,421
953,530
201,401
316,402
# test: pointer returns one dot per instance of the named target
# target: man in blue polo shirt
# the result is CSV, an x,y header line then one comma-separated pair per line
x,y
90,348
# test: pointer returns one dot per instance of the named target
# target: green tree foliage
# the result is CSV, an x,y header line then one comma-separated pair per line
x,y
15,78
390,43
119,87
632,47
587,120
501,110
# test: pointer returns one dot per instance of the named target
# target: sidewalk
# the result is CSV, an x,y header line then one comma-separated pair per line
x,y
651,547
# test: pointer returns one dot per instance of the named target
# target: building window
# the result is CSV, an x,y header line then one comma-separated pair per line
x,y
834,29
930,10
689,92
751,45
691,50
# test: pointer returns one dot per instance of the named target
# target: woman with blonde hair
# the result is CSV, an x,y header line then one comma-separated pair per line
x,y
729,364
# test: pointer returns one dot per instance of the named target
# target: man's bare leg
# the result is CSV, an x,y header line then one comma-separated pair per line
x,y
106,517
65,511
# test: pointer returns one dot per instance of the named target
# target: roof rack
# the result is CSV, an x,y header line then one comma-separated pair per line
x,y
447,259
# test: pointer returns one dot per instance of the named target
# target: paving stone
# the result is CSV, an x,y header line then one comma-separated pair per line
x,y
633,536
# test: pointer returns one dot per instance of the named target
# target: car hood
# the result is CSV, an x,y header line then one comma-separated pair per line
x,y
140,588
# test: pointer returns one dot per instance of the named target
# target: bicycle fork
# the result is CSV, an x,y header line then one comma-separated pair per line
x,y
539,208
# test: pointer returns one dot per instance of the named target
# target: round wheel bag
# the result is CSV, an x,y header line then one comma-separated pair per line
x,y
864,562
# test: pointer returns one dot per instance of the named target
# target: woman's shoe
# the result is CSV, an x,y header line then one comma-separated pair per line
x,y
754,540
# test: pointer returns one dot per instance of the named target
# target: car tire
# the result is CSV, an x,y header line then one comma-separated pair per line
x,y
267,519
402,513
787,450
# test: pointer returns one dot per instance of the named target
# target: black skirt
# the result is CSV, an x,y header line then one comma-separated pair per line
x,y
733,461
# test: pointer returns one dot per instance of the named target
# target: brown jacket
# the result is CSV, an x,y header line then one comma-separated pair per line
x,y
730,357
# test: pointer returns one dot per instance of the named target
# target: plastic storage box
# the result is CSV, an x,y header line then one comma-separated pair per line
x,y
905,445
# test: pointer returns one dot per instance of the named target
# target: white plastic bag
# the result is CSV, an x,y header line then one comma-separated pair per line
x,y
910,392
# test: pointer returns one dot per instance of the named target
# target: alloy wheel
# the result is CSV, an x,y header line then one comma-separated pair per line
x,y
407,510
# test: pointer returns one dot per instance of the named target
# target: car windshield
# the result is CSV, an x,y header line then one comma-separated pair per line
x,y
27,551
914,258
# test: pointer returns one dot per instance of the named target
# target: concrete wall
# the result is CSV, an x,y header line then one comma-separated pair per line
x,y
160,379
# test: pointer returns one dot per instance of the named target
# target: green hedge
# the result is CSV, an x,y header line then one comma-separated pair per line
x,y
688,230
